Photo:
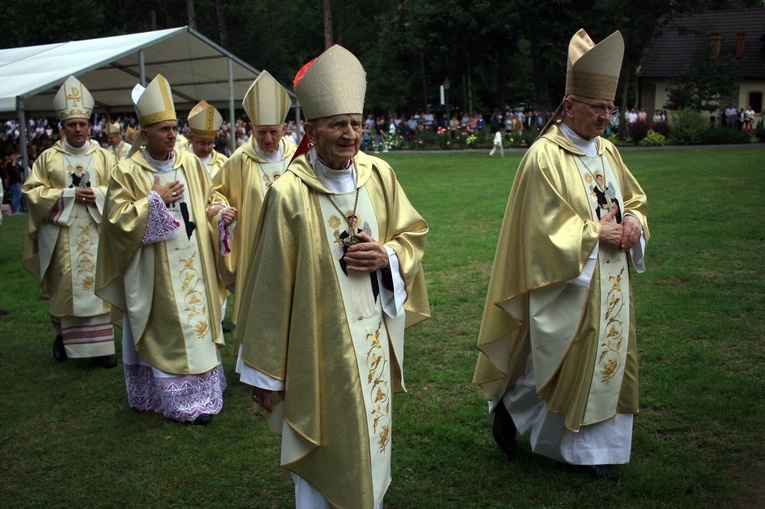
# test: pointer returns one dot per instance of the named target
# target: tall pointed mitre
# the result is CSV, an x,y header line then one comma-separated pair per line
x,y
333,84
152,104
73,100
266,102
155,102
113,129
204,120
593,69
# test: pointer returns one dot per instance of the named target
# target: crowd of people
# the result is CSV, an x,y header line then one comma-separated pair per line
x,y
152,219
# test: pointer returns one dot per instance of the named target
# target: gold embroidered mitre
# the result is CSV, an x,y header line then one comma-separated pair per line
x,y
333,84
204,120
154,103
73,100
113,129
266,102
593,69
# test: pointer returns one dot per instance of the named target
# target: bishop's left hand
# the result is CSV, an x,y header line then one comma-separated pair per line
x,y
228,215
367,255
631,232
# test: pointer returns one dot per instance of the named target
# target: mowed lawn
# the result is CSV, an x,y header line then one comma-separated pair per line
x,y
68,438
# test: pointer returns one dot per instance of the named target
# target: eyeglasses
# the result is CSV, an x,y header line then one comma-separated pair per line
x,y
600,109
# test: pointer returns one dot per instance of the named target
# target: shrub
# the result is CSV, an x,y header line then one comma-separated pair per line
x,y
638,131
713,135
687,127
653,139
759,131
661,128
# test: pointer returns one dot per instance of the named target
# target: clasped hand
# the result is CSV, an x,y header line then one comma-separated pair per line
x,y
619,236
367,255
84,195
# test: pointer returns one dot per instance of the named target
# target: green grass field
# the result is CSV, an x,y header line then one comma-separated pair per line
x,y
68,438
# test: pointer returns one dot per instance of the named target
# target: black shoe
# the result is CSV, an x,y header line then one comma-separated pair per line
x,y
504,431
603,472
203,419
59,352
104,361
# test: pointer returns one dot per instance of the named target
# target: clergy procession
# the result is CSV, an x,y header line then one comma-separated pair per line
x,y
321,252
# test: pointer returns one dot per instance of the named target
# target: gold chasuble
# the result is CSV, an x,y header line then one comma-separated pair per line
x,y
169,290
120,151
582,340
323,333
214,163
244,181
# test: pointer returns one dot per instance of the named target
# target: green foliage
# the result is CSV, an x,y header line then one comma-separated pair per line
x,y
686,127
638,131
715,135
653,139
706,84
28,23
759,131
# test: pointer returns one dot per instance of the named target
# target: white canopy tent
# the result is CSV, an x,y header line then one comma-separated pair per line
x,y
110,67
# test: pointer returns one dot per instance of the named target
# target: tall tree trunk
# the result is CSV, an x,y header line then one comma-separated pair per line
x,y
540,75
341,23
624,108
191,14
220,12
327,24
469,91
424,83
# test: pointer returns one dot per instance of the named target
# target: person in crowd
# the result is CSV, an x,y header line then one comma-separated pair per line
x,y
558,355
117,146
749,119
205,122
731,115
498,142
335,278
251,171
14,174
65,194
163,230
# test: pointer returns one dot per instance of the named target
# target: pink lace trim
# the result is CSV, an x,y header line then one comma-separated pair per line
x,y
225,234
181,398
161,226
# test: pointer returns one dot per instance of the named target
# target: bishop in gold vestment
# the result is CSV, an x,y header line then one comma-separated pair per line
x,y
65,193
159,267
558,355
335,278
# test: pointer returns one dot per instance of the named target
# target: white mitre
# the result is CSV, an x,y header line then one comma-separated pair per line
x,y
333,84
266,102
73,100
204,120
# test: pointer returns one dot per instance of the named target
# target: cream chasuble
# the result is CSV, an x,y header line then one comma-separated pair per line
x,y
611,357
363,313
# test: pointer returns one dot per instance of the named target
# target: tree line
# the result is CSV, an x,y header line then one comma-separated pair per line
x,y
492,52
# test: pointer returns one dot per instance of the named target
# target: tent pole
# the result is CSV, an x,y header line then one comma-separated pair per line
x,y
142,65
231,118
